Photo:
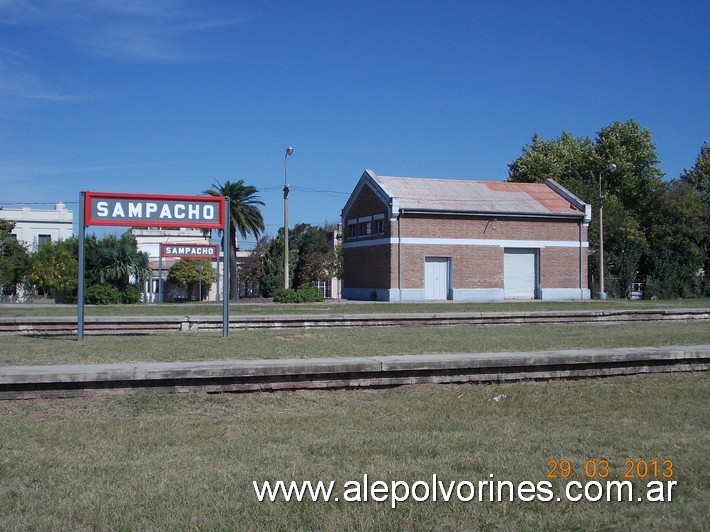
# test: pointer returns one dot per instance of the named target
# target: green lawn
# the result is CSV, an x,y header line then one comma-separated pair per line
x,y
339,342
246,307
188,462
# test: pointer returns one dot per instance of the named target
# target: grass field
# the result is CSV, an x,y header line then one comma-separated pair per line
x,y
161,462
339,342
252,307
188,462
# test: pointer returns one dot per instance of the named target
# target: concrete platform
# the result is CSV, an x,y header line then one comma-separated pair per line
x,y
31,382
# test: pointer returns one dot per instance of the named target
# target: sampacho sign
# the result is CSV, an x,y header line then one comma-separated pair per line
x,y
152,210
207,251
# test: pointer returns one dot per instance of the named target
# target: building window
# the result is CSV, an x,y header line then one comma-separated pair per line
x,y
379,225
366,226
324,288
42,239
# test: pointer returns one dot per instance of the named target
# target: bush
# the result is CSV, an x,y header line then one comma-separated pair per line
x,y
304,294
131,295
285,295
102,294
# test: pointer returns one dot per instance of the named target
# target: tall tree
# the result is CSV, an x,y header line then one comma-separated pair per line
x,y
244,218
250,270
577,163
272,267
678,230
55,267
699,178
14,259
566,159
636,184
627,244
699,175
632,149
314,256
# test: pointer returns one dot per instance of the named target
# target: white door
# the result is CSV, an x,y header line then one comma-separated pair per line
x,y
436,277
519,273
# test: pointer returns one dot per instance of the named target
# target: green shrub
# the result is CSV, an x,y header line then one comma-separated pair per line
x,y
131,295
309,294
102,294
304,294
285,295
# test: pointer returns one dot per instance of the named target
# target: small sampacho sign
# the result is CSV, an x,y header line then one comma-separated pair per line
x,y
207,251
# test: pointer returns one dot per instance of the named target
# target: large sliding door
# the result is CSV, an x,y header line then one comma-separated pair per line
x,y
520,273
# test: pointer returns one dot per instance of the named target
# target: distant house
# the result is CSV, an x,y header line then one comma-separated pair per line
x,y
37,226
331,288
150,239
415,239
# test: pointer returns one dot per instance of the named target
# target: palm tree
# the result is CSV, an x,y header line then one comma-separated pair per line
x,y
117,261
244,217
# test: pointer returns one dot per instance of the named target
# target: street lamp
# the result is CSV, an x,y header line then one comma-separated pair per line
x,y
611,169
199,269
287,189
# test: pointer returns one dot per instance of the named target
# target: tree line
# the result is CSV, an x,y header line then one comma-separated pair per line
x,y
115,270
656,230
311,257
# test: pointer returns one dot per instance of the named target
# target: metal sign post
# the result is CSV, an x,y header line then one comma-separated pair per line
x,y
147,210
217,282
80,287
226,245
160,275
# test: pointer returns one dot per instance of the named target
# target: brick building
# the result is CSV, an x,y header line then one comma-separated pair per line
x,y
414,239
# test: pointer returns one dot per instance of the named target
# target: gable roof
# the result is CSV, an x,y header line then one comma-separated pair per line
x,y
428,195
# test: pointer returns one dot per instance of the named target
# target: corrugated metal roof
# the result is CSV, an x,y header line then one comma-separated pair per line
x,y
429,194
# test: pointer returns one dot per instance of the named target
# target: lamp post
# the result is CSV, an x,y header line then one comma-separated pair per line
x,y
611,169
287,189
199,269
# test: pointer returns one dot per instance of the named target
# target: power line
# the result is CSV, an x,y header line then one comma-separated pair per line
x,y
310,190
318,191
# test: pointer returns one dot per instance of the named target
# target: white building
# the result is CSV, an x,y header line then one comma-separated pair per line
x,y
36,226
149,241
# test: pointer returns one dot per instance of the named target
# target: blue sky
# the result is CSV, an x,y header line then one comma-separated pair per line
x,y
167,96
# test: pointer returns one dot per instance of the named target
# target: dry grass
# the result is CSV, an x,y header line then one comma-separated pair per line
x,y
187,462
169,462
339,342
266,307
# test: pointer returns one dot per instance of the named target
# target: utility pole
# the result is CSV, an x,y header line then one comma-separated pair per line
x,y
287,189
